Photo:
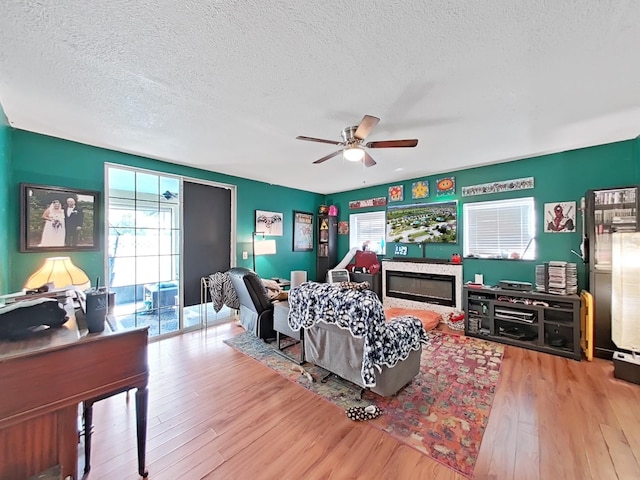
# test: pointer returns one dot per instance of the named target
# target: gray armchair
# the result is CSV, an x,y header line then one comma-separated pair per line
x,y
337,350
346,333
256,310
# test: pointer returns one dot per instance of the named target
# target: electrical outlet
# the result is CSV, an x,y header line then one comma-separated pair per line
x,y
245,255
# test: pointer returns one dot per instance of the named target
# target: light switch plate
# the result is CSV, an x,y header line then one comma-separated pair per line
x,y
245,255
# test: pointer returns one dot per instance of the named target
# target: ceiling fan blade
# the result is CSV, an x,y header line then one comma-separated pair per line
x,y
321,140
331,155
368,160
366,125
393,143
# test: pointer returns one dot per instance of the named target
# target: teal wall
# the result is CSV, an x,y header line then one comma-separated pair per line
x,y
46,160
558,177
5,153
34,158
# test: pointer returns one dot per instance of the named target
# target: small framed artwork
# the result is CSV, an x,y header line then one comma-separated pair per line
x,y
302,231
445,186
396,193
560,217
58,219
343,228
420,189
269,223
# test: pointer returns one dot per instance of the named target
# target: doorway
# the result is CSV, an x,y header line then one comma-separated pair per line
x,y
146,265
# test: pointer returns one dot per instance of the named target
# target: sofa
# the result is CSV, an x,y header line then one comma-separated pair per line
x,y
256,309
346,333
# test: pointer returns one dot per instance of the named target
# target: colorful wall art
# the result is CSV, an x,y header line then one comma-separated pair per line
x,y
498,187
420,190
560,217
423,223
445,186
396,193
371,202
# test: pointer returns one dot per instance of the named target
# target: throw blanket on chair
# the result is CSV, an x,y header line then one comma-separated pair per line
x,y
359,311
222,291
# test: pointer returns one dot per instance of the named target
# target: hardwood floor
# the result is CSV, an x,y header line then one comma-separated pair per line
x,y
215,413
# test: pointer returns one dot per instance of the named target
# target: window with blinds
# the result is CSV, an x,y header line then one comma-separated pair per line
x,y
367,228
500,229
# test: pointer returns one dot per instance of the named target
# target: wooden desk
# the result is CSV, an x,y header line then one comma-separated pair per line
x,y
44,379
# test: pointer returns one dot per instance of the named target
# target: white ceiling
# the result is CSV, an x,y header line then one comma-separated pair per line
x,y
227,85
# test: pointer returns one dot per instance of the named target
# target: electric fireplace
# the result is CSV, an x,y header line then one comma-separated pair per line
x,y
422,287
424,284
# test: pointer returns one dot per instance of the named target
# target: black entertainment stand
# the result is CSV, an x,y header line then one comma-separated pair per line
x,y
538,321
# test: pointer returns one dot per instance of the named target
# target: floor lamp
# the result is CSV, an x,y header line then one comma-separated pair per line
x,y
262,246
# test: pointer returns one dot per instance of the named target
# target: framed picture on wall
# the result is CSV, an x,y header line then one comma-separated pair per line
x,y
58,219
269,223
560,217
302,231
423,223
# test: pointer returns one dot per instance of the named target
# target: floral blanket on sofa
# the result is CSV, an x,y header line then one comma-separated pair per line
x,y
359,311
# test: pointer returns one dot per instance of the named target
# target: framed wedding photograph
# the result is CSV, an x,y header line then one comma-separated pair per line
x,y
58,219
302,231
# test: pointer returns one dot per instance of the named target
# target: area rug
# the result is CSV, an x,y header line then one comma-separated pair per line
x,y
442,413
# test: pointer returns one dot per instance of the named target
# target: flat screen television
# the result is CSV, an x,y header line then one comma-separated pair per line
x,y
423,223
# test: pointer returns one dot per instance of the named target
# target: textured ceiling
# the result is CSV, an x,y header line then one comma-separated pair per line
x,y
228,85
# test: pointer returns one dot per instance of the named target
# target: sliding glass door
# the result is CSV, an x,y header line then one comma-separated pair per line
x,y
144,262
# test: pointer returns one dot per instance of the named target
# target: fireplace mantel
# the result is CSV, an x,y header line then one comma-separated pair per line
x,y
417,260
422,265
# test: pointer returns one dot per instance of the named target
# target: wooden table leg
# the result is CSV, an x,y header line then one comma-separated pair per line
x,y
87,413
142,397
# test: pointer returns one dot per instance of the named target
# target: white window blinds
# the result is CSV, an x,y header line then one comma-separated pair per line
x,y
500,229
368,228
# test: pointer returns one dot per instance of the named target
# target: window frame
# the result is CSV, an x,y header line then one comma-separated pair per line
x,y
353,230
505,249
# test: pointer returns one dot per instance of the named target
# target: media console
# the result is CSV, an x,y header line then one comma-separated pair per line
x,y
538,321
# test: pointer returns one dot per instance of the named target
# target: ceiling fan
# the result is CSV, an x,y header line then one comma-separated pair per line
x,y
353,142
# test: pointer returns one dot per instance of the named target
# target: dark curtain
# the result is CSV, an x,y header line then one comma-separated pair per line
x,y
207,235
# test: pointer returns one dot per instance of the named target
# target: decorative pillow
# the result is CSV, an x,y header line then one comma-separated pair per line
x,y
429,319
355,285
272,288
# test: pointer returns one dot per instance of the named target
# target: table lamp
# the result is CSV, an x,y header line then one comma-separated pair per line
x,y
61,272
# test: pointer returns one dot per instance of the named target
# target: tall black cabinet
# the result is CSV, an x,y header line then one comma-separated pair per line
x,y
327,251
608,211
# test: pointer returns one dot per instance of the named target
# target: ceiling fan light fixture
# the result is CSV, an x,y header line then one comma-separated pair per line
x,y
353,154
353,143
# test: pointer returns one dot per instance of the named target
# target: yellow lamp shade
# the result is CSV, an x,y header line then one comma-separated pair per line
x,y
61,272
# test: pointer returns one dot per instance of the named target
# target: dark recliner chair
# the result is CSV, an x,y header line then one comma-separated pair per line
x,y
256,310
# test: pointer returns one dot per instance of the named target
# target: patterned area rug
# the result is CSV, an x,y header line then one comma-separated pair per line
x,y
443,412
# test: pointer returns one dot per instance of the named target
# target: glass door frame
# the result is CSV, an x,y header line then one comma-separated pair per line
x,y
181,179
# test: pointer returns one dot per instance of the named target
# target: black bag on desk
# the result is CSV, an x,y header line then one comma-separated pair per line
x,y
22,319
